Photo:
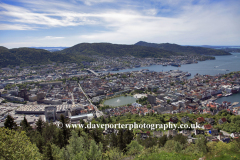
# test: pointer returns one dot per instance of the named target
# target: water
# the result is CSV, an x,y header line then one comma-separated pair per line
x,y
232,98
221,65
120,101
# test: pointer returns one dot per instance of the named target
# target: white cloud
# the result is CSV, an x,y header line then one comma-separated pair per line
x,y
51,37
91,2
202,23
151,12
15,27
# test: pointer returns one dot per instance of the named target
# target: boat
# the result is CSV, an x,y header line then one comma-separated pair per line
x,y
188,74
175,65
234,90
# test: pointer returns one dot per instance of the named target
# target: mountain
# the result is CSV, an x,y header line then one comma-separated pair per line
x,y
184,49
84,52
108,49
31,56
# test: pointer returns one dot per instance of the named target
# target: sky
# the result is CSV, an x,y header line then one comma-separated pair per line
x,y
55,23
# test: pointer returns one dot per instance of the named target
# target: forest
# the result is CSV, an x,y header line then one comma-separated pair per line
x,y
47,141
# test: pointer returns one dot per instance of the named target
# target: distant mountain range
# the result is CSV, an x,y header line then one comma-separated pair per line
x,y
184,49
108,49
32,56
83,51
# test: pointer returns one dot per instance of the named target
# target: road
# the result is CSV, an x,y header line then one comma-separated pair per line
x,y
225,133
98,113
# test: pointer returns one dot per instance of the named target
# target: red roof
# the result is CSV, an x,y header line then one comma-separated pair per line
x,y
200,119
224,119
208,126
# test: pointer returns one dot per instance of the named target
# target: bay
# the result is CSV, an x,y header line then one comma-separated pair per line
x,y
221,65
232,98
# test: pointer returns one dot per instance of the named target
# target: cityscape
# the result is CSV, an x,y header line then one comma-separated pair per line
x,y
129,80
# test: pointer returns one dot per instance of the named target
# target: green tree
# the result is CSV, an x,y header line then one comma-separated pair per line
x,y
47,152
113,142
134,148
180,138
65,130
16,145
76,145
178,147
120,140
169,146
162,140
49,132
201,144
168,101
95,151
9,123
128,136
39,125
25,125
109,119
113,154
149,106
97,135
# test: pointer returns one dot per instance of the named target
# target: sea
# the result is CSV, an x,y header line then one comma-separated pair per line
x,y
221,65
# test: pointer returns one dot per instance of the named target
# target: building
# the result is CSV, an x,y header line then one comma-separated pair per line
x,y
50,113
151,99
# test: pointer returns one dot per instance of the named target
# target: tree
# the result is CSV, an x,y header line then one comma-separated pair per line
x,y
178,147
149,106
9,122
39,125
134,148
49,132
169,146
180,138
16,145
113,154
97,135
120,140
162,140
112,140
25,125
65,130
201,144
109,119
168,101
95,151
47,153
76,145
128,136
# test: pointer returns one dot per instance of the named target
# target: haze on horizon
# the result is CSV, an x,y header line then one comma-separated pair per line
x,y
53,23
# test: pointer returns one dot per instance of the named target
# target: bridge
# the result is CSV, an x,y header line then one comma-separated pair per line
x,y
96,74
98,113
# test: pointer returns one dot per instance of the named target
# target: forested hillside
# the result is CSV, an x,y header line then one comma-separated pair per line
x,y
108,49
184,49
31,56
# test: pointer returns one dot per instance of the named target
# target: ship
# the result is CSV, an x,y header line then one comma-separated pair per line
x,y
175,65
188,74
235,90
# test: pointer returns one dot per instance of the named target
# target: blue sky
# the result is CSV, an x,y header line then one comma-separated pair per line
x,y
53,23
